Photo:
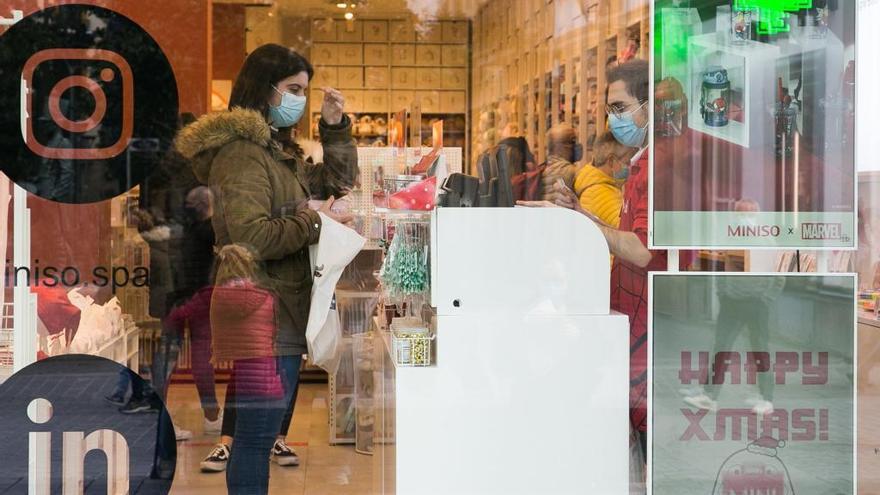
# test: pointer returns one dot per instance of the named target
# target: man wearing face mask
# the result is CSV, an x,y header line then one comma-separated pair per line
x,y
563,153
627,107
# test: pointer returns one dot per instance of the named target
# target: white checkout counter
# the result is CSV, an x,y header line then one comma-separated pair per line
x,y
529,390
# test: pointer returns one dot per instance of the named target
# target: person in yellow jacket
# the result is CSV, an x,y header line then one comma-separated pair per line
x,y
599,186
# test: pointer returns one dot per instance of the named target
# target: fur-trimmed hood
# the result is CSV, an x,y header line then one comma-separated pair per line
x,y
201,140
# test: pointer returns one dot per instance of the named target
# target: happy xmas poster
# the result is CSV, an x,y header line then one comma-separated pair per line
x,y
752,384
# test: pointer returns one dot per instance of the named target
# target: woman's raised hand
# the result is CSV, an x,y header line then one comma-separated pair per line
x,y
334,106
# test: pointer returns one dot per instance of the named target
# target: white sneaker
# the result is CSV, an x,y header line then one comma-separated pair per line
x,y
213,427
760,406
181,434
284,455
216,460
702,401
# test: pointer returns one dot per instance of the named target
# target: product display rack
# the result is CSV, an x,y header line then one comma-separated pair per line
x,y
342,407
349,389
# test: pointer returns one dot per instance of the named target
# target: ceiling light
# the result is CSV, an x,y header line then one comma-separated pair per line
x,y
341,5
349,16
354,5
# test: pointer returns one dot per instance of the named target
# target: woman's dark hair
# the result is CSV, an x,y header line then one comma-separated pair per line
x,y
264,67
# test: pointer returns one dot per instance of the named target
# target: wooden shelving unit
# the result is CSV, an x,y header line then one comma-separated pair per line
x,y
387,65
518,45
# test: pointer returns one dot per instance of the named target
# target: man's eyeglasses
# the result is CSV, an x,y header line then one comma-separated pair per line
x,y
619,109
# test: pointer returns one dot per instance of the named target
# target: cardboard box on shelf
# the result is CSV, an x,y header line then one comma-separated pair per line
x,y
454,78
325,54
429,32
375,31
354,100
350,31
376,54
453,101
377,77
402,99
403,77
326,76
376,101
403,55
430,101
429,77
455,55
351,77
428,55
402,30
351,54
455,31
323,30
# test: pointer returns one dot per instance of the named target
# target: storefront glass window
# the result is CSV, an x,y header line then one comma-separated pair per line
x,y
415,246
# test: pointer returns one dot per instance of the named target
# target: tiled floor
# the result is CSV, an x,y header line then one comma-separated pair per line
x,y
324,469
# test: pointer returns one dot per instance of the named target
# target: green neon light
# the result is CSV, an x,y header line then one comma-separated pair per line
x,y
773,14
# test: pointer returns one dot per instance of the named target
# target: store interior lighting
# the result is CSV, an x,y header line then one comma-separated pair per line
x,y
348,7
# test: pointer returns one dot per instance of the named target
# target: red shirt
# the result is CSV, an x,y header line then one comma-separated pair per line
x,y
629,288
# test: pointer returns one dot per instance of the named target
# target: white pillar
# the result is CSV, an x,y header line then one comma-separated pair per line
x,y
24,303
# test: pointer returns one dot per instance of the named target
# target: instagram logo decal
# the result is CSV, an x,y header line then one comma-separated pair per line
x,y
59,435
88,103
107,75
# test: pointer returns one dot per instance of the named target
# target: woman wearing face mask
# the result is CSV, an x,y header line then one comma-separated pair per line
x,y
260,195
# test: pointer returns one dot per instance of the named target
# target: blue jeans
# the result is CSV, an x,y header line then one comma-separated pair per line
x,y
257,423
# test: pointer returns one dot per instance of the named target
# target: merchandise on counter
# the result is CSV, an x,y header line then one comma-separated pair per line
x,y
356,311
818,22
740,24
669,107
380,127
785,115
417,197
411,342
364,126
392,186
715,97
360,274
405,270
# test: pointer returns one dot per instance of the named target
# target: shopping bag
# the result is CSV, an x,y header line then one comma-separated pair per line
x,y
337,246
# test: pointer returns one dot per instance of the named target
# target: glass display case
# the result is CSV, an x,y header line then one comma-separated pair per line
x,y
766,158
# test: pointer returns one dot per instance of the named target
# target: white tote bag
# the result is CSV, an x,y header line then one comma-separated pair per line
x,y
337,247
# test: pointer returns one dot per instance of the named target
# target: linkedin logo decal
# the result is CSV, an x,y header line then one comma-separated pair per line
x,y
59,434
88,103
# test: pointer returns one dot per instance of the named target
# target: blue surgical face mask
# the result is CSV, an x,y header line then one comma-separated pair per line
x,y
626,131
577,152
289,112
